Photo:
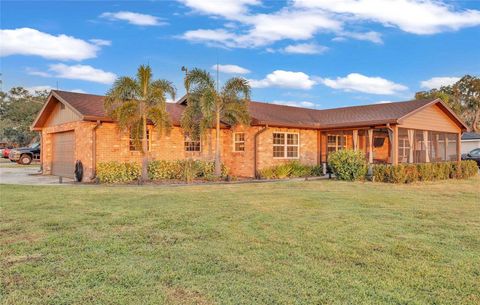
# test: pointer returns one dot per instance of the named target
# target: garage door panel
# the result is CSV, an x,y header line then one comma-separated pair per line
x,y
63,161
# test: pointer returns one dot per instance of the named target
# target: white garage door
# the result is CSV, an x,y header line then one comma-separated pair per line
x,y
63,161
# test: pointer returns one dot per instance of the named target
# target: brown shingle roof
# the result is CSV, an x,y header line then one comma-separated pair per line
x,y
91,108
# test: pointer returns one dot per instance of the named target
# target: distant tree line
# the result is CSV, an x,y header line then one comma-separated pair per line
x,y
463,97
18,110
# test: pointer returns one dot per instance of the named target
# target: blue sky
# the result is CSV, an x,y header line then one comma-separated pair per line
x,y
312,53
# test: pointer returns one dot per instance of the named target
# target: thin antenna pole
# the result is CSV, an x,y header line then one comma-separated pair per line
x,y
217,72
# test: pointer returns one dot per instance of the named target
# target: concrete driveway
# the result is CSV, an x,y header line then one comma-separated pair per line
x,y
12,173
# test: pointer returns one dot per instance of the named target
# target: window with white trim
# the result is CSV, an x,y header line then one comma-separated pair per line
x,y
238,141
336,142
191,145
285,145
136,144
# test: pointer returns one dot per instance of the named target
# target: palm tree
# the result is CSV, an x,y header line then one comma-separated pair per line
x,y
131,101
207,106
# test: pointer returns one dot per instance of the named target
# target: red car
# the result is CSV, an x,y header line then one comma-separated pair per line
x,y
5,152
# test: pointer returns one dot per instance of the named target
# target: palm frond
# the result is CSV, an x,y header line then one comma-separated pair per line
x,y
161,119
124,89
144,77
198,80
235,112
127,114
236,87
160,89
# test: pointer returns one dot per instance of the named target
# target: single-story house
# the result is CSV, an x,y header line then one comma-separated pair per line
x,y
470,141
74,126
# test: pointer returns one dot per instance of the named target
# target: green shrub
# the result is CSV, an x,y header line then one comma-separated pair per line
x,y
116,172
347,164
408,173
469,169
161,169
186,170
293,169
190,170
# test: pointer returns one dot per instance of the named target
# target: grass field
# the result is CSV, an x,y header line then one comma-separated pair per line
x,y
316,242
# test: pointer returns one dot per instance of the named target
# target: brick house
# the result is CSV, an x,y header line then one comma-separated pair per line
x,y
74,127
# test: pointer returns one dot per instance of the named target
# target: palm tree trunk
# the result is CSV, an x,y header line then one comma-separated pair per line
x,y
218,166
144,150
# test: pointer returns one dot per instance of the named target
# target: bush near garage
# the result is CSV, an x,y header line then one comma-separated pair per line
x,y
116,172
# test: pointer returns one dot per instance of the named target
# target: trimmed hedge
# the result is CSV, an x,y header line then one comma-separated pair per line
x,y
408,173
116,172
186,170
347,164
292,169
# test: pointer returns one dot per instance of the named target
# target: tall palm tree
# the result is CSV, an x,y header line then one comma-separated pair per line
x,y
207,106
131,101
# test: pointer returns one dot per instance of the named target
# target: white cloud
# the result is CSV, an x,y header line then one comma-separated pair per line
x,y
133,18
27,41
366,84
218,37
33,89
81,72
284,79
302,20
231,69
437,82
101,42
371,36
383,102
305,48
266,29
37,73
303,104
225,8
413,16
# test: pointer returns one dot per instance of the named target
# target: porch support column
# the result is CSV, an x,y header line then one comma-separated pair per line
x,y
427,148
395,145
411,135
355,139
370,146
459,146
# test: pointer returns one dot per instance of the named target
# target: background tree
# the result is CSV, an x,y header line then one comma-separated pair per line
x,y
207,106
467,92
18,109
463,97
132,101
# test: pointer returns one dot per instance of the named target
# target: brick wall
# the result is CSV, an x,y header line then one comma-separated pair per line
x,y
112,144
83,145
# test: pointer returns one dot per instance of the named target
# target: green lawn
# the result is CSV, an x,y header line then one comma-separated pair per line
x,y
314,242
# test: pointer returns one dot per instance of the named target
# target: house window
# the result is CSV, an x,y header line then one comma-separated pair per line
x,y
336,142
239,141
136,145
191,145
285,145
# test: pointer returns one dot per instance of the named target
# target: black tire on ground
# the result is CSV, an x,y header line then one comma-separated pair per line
x,y
25,159
13,161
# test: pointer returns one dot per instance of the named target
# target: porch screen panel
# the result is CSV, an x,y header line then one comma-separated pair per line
x,y
452,143
403,146
419,154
